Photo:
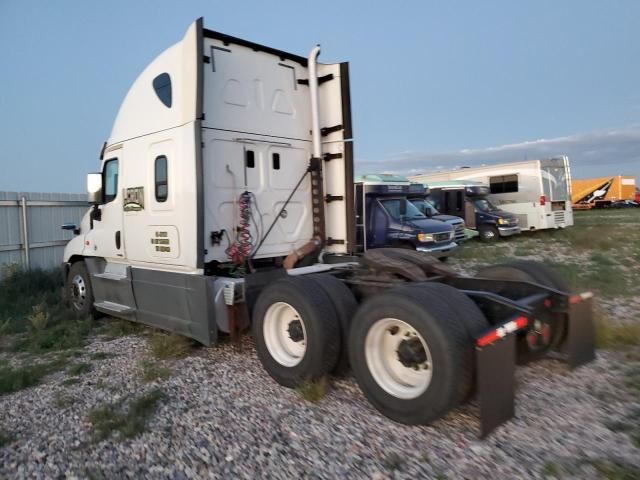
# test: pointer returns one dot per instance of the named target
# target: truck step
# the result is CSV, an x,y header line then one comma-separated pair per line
x,y
111,307
110,276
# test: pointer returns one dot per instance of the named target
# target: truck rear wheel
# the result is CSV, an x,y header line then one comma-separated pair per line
x,y
345,304
412,360
296,331
79,291
548,331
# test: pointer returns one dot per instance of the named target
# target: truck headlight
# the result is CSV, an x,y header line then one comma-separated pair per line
x,y
425,237
502,221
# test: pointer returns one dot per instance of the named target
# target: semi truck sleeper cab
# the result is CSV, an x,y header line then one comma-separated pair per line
x,y
228,171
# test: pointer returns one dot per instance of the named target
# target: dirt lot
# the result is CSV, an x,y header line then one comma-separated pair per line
x,y
109,399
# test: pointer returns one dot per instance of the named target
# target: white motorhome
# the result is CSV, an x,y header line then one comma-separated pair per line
x,y
226,193
538,192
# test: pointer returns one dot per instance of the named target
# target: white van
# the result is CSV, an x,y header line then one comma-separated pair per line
x,y
538,192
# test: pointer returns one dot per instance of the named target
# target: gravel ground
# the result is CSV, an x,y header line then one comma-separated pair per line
x,y
223,417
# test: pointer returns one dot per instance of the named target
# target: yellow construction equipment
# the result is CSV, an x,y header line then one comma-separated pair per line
x,y
600,192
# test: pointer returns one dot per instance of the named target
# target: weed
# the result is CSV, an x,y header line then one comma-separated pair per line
x,y
154,371
313,391
612,470
632,377
5,438
551,469
441,476
61,400
39,318
21,290
610,335
18,378
101,384
124,421
101,355
393,461
64,335
170,345
71,381
79,369
121,328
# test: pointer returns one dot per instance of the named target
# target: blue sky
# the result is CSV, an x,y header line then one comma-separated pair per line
x,y
434,84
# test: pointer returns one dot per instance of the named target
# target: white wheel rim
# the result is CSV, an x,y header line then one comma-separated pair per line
x,y
281,322
382,346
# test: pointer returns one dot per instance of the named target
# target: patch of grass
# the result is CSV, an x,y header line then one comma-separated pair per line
x,y
522,251
79,369
632,377
551,469
21,290
154,371
629,424
101,355
124,421
313,391
5,438
113,329
614,336
71,381
13,379
613,470
61,400
393,461
170,345
31,304
61,336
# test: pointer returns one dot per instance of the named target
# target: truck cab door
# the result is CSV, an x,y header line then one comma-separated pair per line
x,y
106,236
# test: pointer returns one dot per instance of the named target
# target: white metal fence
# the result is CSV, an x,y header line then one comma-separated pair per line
x,y
30,233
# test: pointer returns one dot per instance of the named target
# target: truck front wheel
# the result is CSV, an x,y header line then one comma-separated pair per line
x,y
488,233
296,331
79,290
411,357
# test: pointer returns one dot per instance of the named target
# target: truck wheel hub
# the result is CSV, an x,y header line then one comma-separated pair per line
x,y
78,291
398,358
540,337
411,353
295,331
284,334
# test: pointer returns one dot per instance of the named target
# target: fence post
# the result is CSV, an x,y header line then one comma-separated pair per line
x,y
25,232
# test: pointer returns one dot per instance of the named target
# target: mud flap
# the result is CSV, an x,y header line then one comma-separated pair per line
x,y
580,342
496,365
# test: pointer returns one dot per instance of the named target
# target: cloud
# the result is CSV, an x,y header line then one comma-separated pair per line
x,y
598,153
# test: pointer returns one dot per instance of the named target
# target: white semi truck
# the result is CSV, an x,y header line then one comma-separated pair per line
x,y
225,198
537,192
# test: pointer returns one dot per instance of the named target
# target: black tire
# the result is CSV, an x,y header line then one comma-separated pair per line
x,y
345,305
538,273
465,311
79,292
447,341
318,317
488,233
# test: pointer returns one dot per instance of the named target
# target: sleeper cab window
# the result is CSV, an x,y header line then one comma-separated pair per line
x,y
110,180
162,86
161,179
250,160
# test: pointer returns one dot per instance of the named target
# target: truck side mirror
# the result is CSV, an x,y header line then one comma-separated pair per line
x,y
94,188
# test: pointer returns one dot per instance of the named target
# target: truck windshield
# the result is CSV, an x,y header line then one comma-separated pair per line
x,y
484,205
395,206
425,206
